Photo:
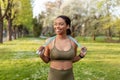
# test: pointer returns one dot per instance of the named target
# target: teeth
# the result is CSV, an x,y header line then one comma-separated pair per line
x,y
57,30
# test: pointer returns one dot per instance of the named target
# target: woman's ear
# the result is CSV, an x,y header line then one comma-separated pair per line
x,y
68,27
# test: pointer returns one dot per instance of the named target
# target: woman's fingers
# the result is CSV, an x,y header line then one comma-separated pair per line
x,y
40,50
83,49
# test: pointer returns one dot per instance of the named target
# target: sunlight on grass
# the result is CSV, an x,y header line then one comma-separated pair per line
x,y
18,61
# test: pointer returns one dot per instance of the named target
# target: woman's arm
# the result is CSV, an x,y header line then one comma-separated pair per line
x,y
81,55
44,55
77,57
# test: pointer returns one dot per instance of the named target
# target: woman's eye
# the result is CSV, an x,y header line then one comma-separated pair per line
x,y
61,24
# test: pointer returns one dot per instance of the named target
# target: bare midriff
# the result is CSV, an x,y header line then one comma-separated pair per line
x,y
61,64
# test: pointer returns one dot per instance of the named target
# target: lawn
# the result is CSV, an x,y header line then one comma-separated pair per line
x,y
18,61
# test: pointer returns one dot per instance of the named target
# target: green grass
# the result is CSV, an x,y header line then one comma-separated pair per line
x,y
18,61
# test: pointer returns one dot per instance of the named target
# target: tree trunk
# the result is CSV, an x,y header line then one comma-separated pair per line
x,y
1,31
119,35
9,31
20,31
73,31
94,36
109,33
94,33
14,32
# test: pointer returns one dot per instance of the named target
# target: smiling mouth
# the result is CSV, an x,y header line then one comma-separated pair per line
x,y
58,30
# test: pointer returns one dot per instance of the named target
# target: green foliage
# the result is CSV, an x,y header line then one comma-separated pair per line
x,y
24,15
117,24
96,16
37,28
18,61
3,5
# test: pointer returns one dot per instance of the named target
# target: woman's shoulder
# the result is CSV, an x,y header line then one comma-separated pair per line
x,y
74,41
49,40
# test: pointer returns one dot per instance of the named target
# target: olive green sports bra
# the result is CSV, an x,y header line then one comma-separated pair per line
x,y
56,54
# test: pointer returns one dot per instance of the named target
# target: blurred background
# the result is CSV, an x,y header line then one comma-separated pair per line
x,y
90,18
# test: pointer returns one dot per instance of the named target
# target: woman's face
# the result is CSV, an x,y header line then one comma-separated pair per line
x,y
60,26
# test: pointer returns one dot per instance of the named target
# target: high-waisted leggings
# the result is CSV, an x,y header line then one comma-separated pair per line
x,y
55,74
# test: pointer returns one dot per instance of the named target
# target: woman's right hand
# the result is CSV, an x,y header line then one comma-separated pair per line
x,y
41,50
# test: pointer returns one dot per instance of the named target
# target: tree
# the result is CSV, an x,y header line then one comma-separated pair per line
x,y
4,7
37,27
117,25
89,17
10,17
24,16
107,8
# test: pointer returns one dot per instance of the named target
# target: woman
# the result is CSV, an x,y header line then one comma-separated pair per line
x,y
61,52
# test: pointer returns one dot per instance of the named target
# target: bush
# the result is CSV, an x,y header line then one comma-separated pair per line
x,y
37,30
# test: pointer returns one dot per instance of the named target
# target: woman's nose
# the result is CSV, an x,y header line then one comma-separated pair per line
x,y
57,26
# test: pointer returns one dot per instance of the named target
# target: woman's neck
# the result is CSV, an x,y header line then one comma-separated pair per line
x,y
61,36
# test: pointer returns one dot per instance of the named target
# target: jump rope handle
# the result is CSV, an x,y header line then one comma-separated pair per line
x,y
41,50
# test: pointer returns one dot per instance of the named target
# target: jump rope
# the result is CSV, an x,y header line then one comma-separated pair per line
x,y
52,38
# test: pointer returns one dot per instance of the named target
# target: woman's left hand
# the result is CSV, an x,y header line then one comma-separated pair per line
x,y
83,52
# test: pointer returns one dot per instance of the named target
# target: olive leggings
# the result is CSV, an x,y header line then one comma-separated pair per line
x,y
55,74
